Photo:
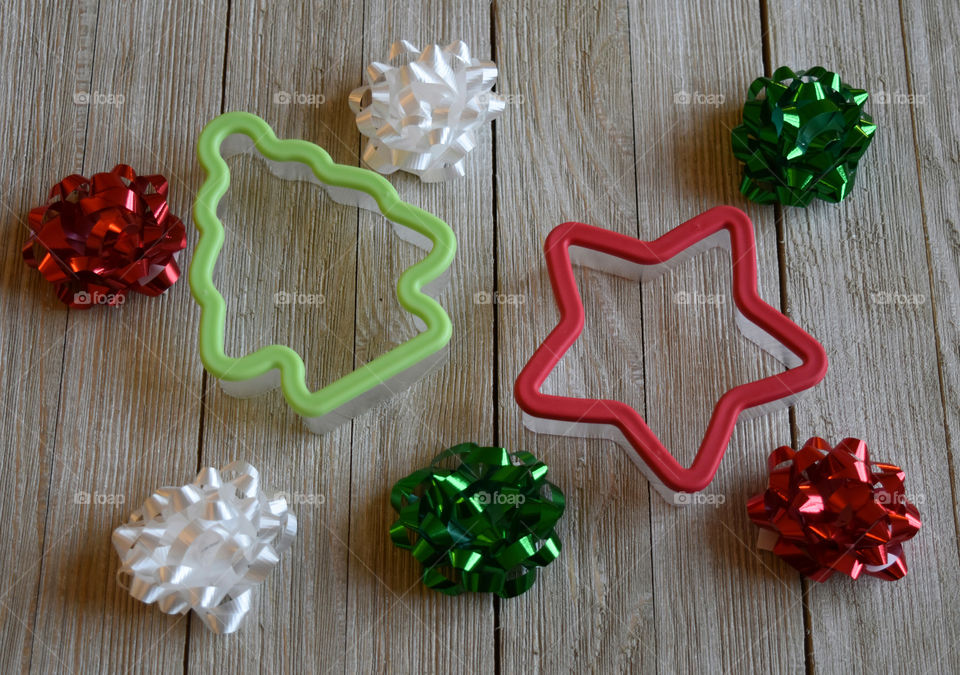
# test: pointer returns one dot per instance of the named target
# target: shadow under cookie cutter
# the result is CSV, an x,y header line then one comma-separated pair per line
x,y
721,227
277,365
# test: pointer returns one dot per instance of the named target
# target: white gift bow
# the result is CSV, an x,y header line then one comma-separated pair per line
x,y
420,111
203,546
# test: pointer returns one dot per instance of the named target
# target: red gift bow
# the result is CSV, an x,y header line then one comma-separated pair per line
x,y
832,510
96,240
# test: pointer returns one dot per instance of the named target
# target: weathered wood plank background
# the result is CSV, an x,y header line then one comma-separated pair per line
x,y
619,115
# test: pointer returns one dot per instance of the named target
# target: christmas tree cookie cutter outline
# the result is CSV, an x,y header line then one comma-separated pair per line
x,y
275,366
721,227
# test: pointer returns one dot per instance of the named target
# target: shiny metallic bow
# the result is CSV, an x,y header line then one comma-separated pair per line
x,y
420,111
479,519
203,546
830,509
802,137
98,239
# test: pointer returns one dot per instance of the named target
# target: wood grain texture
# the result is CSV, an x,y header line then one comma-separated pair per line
x,y
393,619
115,403
931,34
40,66
846,267
288,237
713,589
130,377
568,155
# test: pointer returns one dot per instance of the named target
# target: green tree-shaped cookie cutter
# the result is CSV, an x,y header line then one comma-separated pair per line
x,y
273,365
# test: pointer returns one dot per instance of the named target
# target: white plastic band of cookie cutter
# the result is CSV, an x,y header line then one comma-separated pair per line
x,y
605,262
240,144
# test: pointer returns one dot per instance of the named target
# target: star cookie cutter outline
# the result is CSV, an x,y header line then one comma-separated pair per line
x,y
720,227
278,365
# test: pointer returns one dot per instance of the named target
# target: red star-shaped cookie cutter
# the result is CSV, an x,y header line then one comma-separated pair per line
x,y
723,226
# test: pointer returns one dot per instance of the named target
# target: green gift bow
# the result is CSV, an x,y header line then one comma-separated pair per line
x,y
802,138
484,525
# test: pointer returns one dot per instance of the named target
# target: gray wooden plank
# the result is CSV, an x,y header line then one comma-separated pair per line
x,y
883,384
931,34
128,425
286,237
639,585
567,153
720,606
44,125
392,618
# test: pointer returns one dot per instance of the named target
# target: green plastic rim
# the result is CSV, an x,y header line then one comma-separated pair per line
x,y
346,391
